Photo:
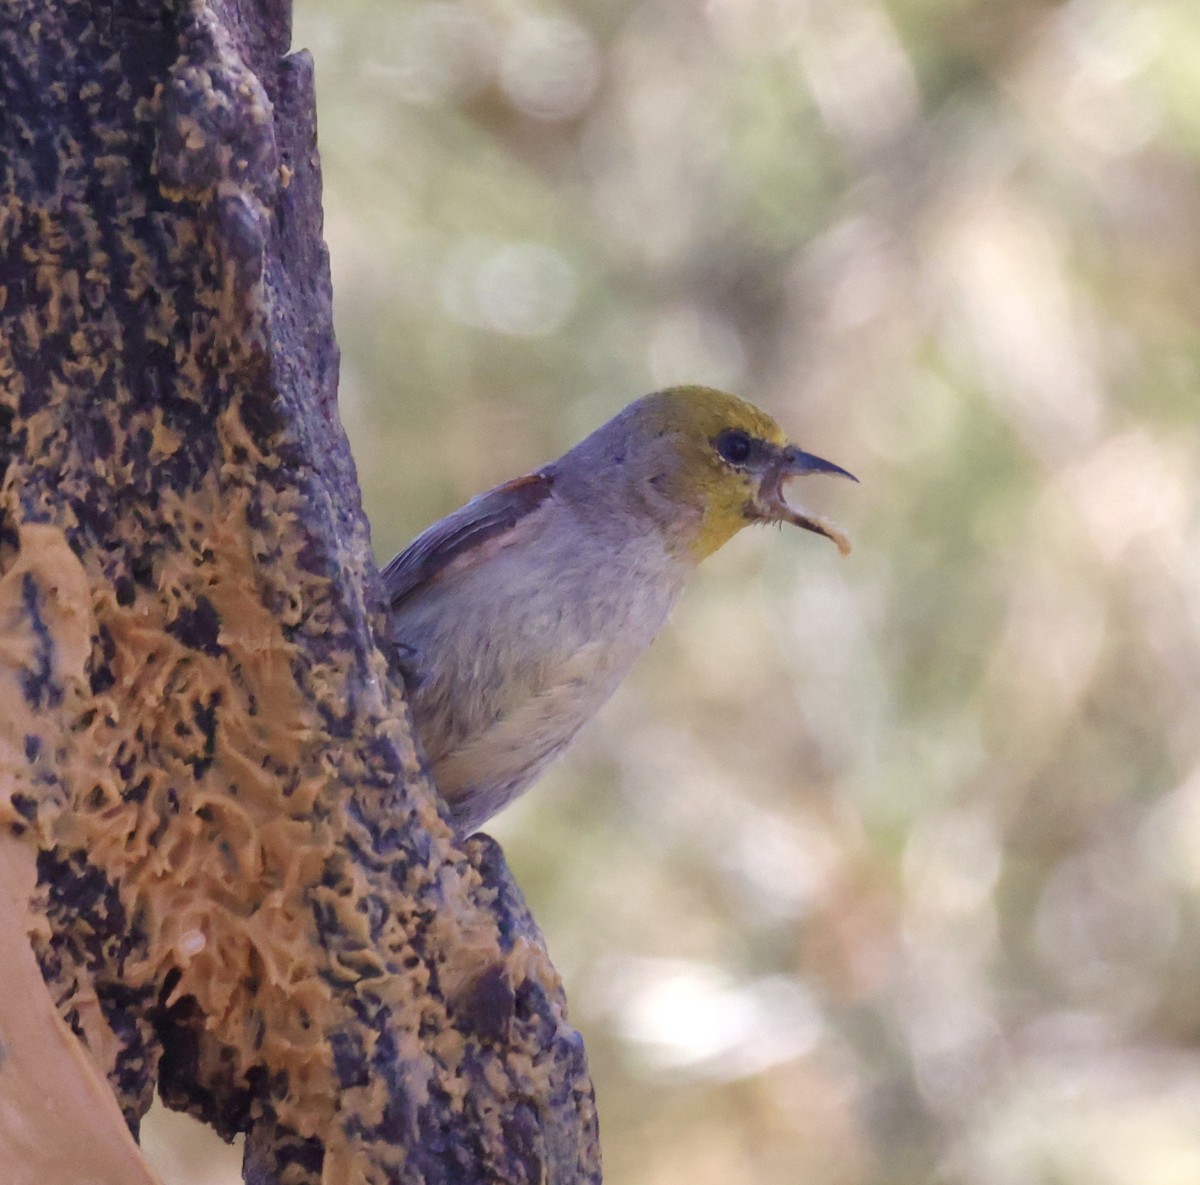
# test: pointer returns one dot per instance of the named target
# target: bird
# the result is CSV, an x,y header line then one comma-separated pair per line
x,y
517,616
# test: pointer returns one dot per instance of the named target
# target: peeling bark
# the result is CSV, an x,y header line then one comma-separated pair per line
x,y
246,892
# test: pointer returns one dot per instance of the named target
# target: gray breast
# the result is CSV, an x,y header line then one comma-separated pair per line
x,y
512,655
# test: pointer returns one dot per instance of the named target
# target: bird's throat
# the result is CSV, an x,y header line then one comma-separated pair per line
x,y
719,523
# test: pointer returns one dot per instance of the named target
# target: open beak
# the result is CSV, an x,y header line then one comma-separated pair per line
x,y
774,507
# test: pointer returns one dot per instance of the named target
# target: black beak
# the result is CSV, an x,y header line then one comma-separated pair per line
x,y
796,461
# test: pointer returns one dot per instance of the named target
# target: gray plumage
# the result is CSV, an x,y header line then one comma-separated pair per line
x,y
528,652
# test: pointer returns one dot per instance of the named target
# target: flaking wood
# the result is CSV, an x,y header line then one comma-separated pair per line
x,y
217,844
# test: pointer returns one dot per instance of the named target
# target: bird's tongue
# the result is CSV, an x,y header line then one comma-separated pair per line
x,y
821,526
789,512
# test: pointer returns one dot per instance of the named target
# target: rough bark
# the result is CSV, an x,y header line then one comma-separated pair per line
x,y
245,891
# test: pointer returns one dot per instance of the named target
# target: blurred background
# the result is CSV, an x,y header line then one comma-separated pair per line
x,y
881,870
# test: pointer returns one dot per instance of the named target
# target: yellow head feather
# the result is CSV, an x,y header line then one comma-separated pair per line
x,y
694,417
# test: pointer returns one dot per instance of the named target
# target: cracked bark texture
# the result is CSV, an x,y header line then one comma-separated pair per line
x,y
245,891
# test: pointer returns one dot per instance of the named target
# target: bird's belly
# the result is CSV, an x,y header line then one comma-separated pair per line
x,y
503,688
491,766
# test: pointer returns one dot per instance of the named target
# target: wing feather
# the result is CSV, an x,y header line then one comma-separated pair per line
x,y
484,519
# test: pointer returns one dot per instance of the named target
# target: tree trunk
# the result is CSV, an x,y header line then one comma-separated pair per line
x,y
215,833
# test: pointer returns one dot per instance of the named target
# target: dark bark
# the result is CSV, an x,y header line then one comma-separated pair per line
x,y
247,892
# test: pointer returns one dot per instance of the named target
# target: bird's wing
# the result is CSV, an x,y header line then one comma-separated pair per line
x,y
461,535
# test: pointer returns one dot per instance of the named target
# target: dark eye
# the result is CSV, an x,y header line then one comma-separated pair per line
x,y
734,446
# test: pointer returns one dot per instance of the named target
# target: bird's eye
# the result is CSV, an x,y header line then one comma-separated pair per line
x,y
734,446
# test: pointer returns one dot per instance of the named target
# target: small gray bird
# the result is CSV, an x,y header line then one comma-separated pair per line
x,y
518,614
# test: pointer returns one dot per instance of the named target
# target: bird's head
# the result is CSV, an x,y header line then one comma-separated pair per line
x,y
726,458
